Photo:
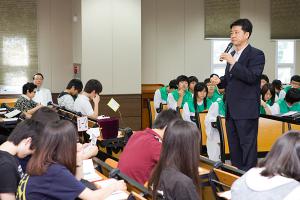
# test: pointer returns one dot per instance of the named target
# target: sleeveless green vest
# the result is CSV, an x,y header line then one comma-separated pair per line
x,y
221,107
262,110
164,93
200,108
186,97
287,88
216,95
284,108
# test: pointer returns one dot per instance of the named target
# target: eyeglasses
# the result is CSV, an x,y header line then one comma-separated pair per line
x,y
38,79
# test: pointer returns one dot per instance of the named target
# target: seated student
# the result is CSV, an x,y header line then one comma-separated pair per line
x,y
213,138
91,91
277,176
161,95
212,93
199,103
192,82
177,98
278,87
176,174
267,97
25,102
291,102
51,170
263,80
43,95
21,142
142,151
295,83
218,90
68,96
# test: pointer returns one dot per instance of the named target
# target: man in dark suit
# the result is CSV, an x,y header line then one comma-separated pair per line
x,y
242,89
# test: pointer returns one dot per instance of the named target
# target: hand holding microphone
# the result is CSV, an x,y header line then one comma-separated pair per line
x,y
227,56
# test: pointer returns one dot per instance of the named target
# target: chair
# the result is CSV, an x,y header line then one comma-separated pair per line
x,y
151,111
268,132
221,180
288,127
10,102
224,148
201,119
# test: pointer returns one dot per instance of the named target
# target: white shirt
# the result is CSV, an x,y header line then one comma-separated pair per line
x,y
237,55
67,101
186,114
172,103
43,96
157,99
82,104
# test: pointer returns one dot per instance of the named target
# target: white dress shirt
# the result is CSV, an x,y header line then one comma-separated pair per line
x,y
43,96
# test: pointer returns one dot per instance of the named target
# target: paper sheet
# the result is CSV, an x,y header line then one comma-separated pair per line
x,y
89,173
82,123
113,104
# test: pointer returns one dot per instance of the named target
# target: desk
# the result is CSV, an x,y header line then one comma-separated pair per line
x,y
280,118
288,124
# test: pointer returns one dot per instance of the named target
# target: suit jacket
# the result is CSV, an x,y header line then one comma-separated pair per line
x,y
242,84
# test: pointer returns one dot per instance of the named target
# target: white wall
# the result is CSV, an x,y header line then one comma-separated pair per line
x,y
54,21
173,38
111,44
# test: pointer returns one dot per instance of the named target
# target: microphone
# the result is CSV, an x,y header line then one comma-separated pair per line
x,y
227,49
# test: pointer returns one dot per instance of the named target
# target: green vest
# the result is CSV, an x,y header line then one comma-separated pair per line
x,y
164,93
216,95
200,108
287,88
284,108
221,105
262,109
186,97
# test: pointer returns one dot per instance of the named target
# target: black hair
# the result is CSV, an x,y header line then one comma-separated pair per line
x,y
213,75
295,78
265,89
277,84
28,87
76,83
173,84
284,157
40,74
182,78
92,85
164,118
180,151
292,96
264,77
192,78
198,88
206,81
25,129
45,115
245,24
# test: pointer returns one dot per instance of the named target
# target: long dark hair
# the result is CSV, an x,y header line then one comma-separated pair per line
x,y
180,150
284,157
265,89
57,145
198,88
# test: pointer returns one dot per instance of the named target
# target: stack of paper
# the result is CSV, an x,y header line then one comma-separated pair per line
x,y
89,173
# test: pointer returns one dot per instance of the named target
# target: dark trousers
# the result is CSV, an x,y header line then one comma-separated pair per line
x,y
242,140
